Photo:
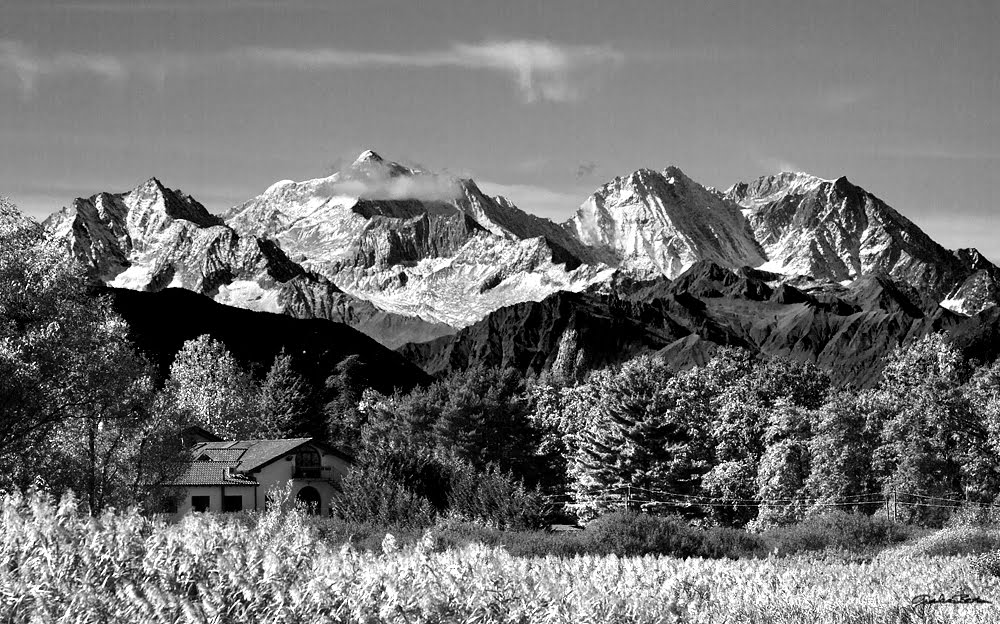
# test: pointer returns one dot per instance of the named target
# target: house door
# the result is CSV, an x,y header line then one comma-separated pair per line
x,y
309,497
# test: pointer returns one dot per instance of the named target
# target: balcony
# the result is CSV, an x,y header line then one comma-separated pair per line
x,y
307,472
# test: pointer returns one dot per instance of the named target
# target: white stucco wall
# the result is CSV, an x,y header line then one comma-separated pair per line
x,y
214,493
276,474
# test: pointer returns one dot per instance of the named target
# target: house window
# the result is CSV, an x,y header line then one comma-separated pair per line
x,y
232,503
200,503
307,464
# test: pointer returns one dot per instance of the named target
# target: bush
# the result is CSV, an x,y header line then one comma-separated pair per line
x,y
493,498
634,534
631,534
838,530
964,540
972,514
372,495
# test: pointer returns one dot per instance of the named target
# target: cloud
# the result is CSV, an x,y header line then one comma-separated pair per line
x,y
542,70
382,180
777,165
28,66
586,169
422,187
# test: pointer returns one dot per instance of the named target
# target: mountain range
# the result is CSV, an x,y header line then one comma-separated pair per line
x,y
788,264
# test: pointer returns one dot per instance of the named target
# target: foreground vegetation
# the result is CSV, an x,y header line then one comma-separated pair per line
x,y
57,564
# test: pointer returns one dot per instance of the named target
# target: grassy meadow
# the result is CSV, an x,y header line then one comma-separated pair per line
x,y
58,565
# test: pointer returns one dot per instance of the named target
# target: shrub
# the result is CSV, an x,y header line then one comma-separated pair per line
x,y
493,498
972,514
963,540
372,494
630,534
838,530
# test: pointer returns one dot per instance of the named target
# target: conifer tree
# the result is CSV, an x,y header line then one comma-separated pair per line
x,y
639,445
284,399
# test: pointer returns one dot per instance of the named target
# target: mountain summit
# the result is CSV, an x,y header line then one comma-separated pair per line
x,y
835,230
416,243
660,223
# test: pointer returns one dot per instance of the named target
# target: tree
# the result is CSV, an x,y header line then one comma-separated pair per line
x,y
841,449
74,392
784,465
640,442
740,427
215,391
484,420
928,428
345,422
284,399
981,469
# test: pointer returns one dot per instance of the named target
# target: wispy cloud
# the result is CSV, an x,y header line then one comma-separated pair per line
x,y
776,164
541,70
423,187
27,65
586,170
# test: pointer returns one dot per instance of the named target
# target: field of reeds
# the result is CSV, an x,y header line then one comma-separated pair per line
x,y
59,565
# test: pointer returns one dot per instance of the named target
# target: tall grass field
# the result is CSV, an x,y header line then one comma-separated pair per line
x,y
59,565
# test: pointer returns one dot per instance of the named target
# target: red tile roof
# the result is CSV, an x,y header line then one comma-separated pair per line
x,y
248,454
213,473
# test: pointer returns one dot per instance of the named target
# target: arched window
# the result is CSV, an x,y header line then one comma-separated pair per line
x,y
307,464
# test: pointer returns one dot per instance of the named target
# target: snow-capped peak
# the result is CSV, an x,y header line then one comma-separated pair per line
x,y
766,188
663,222
368,156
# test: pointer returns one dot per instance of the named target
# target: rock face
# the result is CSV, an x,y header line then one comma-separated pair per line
x,y
847,330
832,229
418,244
660,223
153,238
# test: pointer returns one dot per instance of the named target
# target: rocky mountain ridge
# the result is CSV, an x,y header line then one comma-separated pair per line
x,y
152,238
408,256
660,223
845,329
835,230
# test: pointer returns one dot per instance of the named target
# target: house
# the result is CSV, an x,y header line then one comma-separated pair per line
x,y
236,475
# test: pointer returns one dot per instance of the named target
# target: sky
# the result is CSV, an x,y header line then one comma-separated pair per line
x,y
542,101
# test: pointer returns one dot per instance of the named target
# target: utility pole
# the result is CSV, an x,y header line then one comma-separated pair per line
x,y
628,497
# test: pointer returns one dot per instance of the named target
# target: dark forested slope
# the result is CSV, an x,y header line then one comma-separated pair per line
x,y
160,323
